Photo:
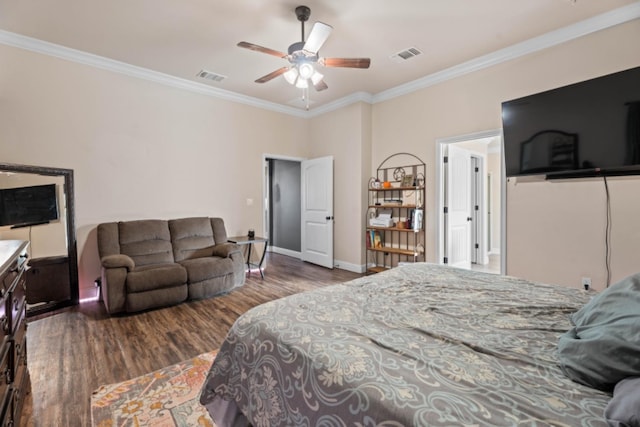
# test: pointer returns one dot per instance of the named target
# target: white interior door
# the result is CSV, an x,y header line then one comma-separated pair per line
x,y
459,207
317,211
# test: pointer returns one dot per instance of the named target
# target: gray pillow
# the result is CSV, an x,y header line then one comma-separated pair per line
x,y
624,409
603,346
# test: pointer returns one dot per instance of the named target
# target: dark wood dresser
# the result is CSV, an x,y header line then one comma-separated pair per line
x,y
14,375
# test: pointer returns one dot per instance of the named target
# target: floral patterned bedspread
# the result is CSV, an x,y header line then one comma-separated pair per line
x,y
418,345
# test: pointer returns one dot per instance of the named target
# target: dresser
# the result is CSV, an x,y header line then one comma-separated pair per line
x,y
14,375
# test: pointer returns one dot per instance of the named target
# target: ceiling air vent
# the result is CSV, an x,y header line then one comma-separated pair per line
x,y
204,74
405,54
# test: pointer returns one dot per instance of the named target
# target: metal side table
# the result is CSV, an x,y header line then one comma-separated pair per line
x,y
245,240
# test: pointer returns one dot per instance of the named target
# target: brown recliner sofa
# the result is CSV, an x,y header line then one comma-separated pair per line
x,y
154,263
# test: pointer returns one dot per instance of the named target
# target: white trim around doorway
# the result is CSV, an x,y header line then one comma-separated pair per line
x,y
440,143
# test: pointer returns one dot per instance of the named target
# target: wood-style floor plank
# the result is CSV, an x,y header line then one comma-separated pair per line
x,y
74,351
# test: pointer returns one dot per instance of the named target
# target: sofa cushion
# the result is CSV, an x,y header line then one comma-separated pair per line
x,y
151,277
108,240
146,241
191,238
211,287
156,298
219,230
200,269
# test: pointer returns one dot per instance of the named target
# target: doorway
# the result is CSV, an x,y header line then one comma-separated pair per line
x,y
470,202
298,207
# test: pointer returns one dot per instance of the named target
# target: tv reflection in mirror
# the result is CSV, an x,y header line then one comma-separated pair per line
x,y
549,151
27,206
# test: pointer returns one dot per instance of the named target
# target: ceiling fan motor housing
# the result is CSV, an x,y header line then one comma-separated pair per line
x,y
296,47
303,13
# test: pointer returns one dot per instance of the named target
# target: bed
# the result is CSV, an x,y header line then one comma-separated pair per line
x,y
418,345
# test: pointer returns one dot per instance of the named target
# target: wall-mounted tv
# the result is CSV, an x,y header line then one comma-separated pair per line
x,y
585,129
25,206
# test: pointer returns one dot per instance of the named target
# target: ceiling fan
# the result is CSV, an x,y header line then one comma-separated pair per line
x,y
303,56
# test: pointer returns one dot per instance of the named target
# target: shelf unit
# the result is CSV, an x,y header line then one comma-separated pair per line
x,y
398,190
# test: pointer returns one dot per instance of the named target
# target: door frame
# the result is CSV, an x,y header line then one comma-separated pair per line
x,y
266,200
440,217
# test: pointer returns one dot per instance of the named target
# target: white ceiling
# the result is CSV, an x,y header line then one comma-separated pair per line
x,y
180,38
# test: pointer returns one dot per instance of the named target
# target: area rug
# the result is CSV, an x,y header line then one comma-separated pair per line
x,y
164,398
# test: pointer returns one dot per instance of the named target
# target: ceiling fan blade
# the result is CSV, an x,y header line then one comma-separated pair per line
x,y
257,48
320,86
272,75
319,34
346,62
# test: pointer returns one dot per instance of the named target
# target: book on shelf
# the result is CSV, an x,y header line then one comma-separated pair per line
x,y
374,239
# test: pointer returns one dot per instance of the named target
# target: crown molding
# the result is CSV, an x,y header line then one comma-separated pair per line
x,y
80,57
553,38
341,103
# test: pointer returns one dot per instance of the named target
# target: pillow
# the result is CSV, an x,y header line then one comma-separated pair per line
x,y
624,409
603,346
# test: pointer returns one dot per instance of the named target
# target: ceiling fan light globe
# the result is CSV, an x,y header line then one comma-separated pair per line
x,y
291,75
305,70
302,83
316,78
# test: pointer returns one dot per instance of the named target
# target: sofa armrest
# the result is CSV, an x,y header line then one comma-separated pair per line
x,y
118,261
234,252
224,250
113,288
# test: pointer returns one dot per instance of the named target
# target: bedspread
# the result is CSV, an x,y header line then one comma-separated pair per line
x,y
418,345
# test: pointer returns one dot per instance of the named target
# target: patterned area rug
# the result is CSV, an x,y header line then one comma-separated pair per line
x,y
164,398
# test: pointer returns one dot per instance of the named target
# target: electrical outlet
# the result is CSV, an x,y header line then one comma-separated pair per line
x,y
586,283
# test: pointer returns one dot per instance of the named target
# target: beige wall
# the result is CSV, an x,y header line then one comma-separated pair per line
x,y
346,135
573,247
139,149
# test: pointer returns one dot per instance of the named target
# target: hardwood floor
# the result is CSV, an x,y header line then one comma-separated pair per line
x,y
74,351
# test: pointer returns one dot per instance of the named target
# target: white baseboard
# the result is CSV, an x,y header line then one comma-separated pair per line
x,y
287,252
342,265
354,268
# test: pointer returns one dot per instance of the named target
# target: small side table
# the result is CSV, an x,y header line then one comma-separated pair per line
x,y
245,240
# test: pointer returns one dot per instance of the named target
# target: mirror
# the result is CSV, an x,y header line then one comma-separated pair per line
x,y
52,277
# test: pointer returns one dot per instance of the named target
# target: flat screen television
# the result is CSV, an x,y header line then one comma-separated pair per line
x,y
585,129
25,206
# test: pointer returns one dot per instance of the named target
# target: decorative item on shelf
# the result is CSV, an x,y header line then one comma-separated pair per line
x,y
419,180
416,220
374,183
392,202
419,249
251,234
383,219
418,199
386,184
399,174
407,181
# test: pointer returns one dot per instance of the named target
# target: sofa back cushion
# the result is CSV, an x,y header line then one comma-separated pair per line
x,y
191,238
108,240
146,241
219,230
